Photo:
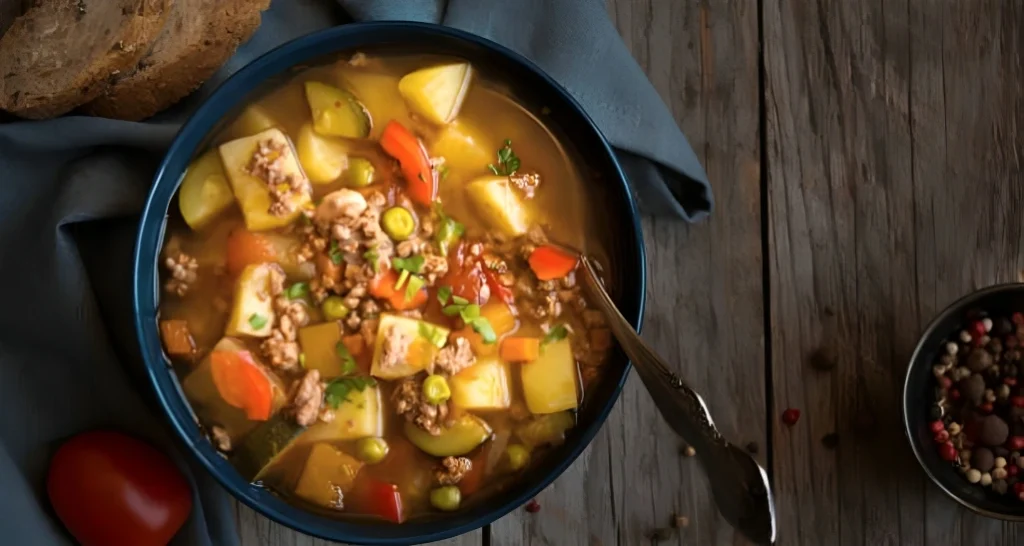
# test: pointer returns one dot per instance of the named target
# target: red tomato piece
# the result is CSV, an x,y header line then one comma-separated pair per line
x,y
465,275
110,489
380,499
550,262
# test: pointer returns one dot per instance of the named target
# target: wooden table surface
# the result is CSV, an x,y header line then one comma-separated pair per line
x,y
866,157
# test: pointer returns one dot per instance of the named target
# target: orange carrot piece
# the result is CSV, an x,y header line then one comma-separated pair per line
x,y
520,349
383,287
177,338
241,383
550,262
247,248
354,343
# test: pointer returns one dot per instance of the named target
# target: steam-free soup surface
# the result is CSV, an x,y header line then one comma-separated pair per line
x,y
361,294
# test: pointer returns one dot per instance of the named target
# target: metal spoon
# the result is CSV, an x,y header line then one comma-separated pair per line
x,y
740,486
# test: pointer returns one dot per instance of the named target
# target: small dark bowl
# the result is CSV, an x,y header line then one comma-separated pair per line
x,y
620,231
918,397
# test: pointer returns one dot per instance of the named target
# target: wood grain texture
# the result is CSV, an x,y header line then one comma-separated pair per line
x,y
893,138
704,306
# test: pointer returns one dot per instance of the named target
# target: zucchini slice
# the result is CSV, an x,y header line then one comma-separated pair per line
x,y
264,445
336,112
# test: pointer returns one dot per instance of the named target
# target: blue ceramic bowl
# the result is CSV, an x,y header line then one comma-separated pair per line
x,y
621,231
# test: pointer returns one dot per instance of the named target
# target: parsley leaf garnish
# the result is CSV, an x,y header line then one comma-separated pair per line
x,y
556,333
337,390
257,321
412,264
348,364
334,253
470,314
297,291
508,161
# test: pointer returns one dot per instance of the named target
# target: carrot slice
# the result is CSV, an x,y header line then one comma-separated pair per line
x,y
241,383
383,287
402,145
550,262
354,343
177,337
520,349
247,248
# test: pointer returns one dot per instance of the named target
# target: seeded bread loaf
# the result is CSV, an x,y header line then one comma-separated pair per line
x,y
60,54
199,37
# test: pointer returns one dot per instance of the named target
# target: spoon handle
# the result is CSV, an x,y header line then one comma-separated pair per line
x,y
680,405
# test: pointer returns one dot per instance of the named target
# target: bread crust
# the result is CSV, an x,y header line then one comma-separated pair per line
x,y
61,54
199,37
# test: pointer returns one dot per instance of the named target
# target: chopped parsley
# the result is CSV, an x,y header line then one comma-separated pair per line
x,y
433,334
556,333
297,291
257,321
508,161
470,314
443,294
412,264
337,390
448,231
334,253
348,364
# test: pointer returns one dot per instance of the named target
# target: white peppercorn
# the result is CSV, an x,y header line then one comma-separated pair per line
x,y
952,348
938,370
1000,473
965,455
1000,462
987,323
965,336
990,396
999,486
986,479
954,428
974,475
1004,392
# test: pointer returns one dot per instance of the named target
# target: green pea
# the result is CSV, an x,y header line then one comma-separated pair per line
x,y
372,450
334,308
436,389
360,172
518,456
446,498
398,223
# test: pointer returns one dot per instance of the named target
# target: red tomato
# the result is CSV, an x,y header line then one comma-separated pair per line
x,y
380,499
110,489
465,275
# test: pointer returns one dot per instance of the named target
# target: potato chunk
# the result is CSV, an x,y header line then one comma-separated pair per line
x,y
204,191
550,382
359,416
252,313
327,473
405,346
323,158
252,193
437,92
498,205
482,386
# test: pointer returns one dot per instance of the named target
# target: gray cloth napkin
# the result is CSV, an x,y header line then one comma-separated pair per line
x,y
71,191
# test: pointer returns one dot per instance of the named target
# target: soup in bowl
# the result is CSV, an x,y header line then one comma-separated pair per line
x,y
362,287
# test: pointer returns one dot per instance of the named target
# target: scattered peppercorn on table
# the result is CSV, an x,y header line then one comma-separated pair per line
x,y
866,160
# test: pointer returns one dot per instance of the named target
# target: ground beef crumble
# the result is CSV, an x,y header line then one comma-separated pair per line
x,y
454,357
282,347
452,470
395,347
409,403
526,183
267,164
184,271
307,395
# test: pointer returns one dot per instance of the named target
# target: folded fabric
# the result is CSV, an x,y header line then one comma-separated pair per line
x,y
71,190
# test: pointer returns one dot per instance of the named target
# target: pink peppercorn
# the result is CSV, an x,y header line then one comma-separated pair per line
x,y
533,506
1015,443
791,416
945,382
954,394
986,407
941,437
978,329
1012,470
1017,401
1011,381
1017,318
938,426
947,452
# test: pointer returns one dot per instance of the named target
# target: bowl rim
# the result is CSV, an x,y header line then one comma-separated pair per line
x,y
955,308
145,282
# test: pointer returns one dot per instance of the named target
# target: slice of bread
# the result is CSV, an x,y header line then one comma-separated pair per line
x,y
60,54
199,37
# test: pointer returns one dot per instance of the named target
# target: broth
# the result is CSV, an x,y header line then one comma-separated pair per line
x,y
361,299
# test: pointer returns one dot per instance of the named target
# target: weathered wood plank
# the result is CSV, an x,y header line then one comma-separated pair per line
x,y
256,530
894,172
704,310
